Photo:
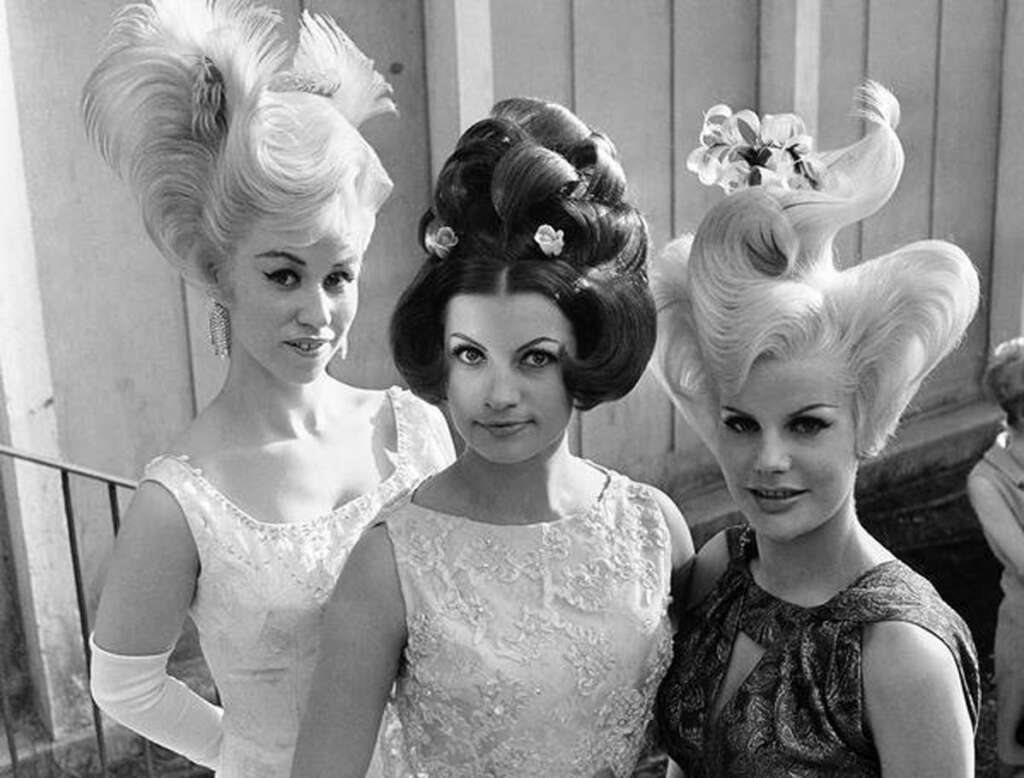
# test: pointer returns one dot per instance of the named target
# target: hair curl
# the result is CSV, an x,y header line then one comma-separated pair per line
x,y
759,281
533,163
195,104
1004,379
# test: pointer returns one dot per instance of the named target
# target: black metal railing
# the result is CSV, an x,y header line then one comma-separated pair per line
x,y
113,485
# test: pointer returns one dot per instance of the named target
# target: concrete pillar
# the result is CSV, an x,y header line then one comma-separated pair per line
x,y
460,70
32,495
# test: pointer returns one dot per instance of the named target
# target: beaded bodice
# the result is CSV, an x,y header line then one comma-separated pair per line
x,y
262,587
532,649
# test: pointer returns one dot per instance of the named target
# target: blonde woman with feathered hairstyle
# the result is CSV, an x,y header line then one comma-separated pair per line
x,y
805,647
255,183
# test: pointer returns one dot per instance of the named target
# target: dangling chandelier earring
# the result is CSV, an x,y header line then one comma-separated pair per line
x,y
220,329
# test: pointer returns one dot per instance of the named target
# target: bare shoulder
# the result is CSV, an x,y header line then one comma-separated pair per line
x,y
151,577
369,588
154,516
914,702
900,657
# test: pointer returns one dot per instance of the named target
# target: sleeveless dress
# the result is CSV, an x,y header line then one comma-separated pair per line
x,y
262,587
800,712
1006,474
533,650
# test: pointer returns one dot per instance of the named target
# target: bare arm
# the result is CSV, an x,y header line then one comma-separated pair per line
x,y
915,704
1001,527
149,587
362,640
151,579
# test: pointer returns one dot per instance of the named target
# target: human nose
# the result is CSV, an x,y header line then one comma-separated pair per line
x,y
315,309
503,389
772,454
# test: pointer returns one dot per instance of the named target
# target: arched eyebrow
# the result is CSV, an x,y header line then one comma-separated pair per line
x,y
813,407
537,341
281,254
467,339
346,262
800,411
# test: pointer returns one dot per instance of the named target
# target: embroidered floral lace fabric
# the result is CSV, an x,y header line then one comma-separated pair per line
x,y
532,650
800,712
262,588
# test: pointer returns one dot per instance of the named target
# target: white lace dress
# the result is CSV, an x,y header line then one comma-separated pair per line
x,y
532,650
262,587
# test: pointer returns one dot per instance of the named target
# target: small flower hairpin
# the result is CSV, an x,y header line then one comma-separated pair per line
x,y
441,241
740,149
550,240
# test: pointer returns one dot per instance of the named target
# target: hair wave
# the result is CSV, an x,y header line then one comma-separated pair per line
x,y
759,280
532,163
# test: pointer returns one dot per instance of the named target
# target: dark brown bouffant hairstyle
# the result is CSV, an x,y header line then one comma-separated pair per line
x,y
533,200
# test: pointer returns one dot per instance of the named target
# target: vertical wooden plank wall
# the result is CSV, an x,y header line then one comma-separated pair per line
x,y
391,33
844,39
622,56
715,51
964,169
1007,291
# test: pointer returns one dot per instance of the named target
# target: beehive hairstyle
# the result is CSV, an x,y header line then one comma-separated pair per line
x,y
533,169
759,281
215,123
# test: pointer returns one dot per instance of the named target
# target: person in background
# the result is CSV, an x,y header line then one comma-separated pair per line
x,y
516,601
996,490
255,183
805,647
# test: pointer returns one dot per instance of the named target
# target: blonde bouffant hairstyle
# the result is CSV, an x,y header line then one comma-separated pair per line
x,y
759,281
1004,379
216,123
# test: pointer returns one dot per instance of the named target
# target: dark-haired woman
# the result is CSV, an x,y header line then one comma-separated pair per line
x,y
517,600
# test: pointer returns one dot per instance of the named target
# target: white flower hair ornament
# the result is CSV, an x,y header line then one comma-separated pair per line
x,y
550,240
738,150
440,241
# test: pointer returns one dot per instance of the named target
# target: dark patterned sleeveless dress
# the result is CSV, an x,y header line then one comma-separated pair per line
x,y
800,712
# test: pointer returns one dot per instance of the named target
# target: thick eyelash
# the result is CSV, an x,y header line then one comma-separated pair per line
x,y
811,424
550,357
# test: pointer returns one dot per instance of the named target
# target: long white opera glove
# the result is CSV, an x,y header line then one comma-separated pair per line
x,y
137,692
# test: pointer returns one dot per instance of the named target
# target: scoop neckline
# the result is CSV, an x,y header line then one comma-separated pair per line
x,y
590,510
398,458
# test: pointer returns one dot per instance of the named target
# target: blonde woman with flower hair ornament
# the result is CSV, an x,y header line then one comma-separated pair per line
x,y
516,601
996,490
255,183
805,647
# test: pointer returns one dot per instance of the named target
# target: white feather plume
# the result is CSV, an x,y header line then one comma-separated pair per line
x,y
327,62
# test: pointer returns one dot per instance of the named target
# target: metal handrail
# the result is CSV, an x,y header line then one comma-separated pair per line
x,y
66,470
57,464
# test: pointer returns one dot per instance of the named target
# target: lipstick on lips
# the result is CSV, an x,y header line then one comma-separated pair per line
x,y
775,499
309,346
504,428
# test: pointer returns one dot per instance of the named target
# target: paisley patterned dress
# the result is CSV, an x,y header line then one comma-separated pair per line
x,y
533,650
262,588
800,712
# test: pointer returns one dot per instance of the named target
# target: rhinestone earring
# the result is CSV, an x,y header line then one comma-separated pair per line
x,y
220,329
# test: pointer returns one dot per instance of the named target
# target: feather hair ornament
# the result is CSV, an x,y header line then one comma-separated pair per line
x,y
180,69
328,63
